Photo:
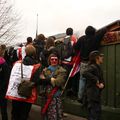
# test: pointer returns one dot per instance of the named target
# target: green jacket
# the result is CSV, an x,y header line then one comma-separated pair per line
x,y
60,75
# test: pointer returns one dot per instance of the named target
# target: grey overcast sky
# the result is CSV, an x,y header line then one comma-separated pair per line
x,y
54,16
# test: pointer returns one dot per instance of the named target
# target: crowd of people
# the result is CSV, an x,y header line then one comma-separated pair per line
x,y
69,67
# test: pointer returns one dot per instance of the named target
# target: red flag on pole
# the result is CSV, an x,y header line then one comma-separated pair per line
x,y
76,65
74,70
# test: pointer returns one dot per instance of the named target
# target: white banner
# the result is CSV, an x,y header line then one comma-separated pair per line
x,y
15,78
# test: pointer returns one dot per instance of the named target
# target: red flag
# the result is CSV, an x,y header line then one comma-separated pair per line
x,y
74,70
76,65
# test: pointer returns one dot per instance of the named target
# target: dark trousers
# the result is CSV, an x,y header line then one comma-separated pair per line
x,y
20,110
94,111
3,108
72,85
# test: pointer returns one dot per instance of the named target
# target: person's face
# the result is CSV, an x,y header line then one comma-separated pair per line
x,y
54,61
100,59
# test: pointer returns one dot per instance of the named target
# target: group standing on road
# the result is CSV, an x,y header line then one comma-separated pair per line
x,y
49,63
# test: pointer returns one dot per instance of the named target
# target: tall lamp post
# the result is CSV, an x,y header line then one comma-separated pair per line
x,y
37,26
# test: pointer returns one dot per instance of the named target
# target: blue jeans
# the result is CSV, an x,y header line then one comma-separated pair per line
x,y
82,81
81,89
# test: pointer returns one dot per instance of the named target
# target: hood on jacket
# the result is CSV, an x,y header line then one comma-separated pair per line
x,y
28,60
40,42
90,30
2,60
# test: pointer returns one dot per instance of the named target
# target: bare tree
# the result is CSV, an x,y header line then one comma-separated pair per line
x,y
8,22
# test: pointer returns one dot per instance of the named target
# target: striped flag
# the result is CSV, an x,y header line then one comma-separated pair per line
x,y
75,69
76,65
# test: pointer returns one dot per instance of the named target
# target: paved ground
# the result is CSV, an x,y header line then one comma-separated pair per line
x,y
36,111
35,114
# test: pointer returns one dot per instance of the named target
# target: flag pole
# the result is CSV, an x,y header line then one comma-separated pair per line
x,y
70,74
37,26
67,80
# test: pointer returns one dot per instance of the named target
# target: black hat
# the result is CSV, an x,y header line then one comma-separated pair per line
x,y
95,53
29,39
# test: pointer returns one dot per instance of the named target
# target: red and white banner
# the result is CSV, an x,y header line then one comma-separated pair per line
x,y
76,65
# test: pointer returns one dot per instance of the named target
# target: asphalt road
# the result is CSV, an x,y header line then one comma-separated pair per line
x,y
35,114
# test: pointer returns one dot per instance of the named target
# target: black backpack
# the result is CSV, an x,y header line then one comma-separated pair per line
x,y
65,48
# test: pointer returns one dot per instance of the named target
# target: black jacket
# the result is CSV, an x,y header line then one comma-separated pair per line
x,y
4,77
93,74
45,54
39,45
28,60
89,42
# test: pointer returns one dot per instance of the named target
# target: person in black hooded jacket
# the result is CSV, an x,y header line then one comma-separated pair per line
x,y
89,42
4,78
86,44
